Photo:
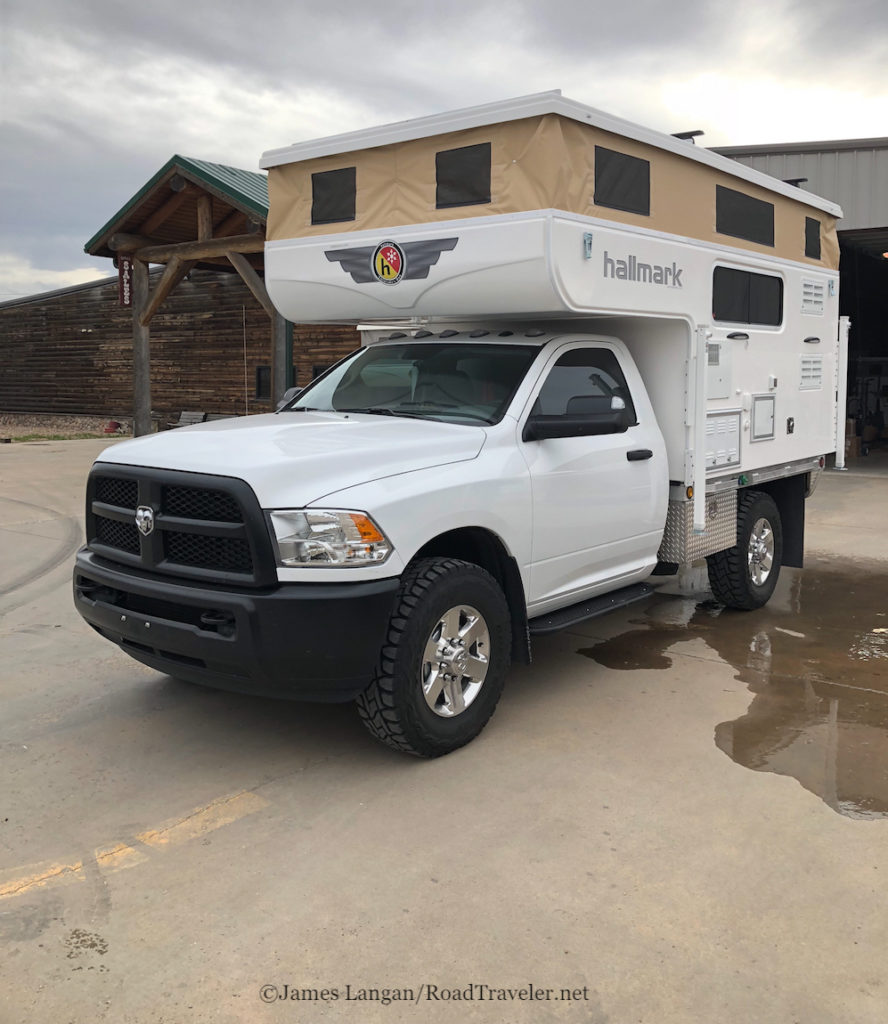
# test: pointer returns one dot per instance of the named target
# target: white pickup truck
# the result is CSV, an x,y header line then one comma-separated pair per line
x,y
399,530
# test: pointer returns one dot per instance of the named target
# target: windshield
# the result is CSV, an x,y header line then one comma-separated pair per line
x,y
457,383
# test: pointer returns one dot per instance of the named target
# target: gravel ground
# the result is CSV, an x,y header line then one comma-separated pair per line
x,y
21,425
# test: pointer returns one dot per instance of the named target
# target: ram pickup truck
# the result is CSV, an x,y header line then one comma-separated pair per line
x,y
592,353
397,531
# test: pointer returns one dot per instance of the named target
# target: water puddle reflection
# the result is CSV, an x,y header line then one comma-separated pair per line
x,y
816,661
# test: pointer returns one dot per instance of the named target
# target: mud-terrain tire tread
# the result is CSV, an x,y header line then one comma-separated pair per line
x,y
729,570
380,707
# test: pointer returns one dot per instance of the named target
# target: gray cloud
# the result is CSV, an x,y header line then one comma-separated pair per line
x,y
99,94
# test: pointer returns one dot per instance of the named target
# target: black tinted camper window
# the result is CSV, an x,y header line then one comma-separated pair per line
x,y
743,216
741,297
812,238
622,182
463,176
333,196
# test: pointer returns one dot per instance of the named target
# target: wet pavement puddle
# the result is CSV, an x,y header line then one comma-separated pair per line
x,y
816,662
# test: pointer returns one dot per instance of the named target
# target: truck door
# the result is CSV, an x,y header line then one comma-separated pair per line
x,y
599,504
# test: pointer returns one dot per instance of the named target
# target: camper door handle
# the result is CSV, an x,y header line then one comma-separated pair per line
x,y
738,336
639,454
812,341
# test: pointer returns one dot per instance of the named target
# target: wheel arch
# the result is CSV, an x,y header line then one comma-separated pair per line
x,y
484,548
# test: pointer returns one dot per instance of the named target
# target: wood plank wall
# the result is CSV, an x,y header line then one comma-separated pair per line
x,y
72,353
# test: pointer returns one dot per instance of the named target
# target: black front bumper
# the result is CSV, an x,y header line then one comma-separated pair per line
x,y
304,641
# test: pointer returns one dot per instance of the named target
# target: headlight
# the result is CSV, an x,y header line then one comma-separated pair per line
x,y
306,537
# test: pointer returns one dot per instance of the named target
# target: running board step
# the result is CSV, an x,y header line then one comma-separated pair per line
x,y
575,613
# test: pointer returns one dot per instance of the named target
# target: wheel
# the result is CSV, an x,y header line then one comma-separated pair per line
x,y
745,575
442,668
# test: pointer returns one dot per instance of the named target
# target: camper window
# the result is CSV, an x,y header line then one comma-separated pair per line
x,y
743,216
812,238
742,297
622,182
333,196
462,176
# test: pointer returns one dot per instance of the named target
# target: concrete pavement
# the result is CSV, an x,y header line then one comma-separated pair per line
x,y
677,814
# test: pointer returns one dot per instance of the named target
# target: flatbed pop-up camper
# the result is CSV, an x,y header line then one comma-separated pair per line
x,y
591,353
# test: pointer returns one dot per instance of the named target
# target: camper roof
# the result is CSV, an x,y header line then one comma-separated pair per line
x,y
531,106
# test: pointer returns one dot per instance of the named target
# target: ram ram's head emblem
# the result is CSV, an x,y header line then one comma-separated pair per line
x,y
145,520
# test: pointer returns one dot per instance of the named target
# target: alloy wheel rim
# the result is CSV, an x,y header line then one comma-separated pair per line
x,y
760,553
455,661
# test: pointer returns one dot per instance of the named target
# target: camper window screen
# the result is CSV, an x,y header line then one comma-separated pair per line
x,y
743,216
812,238
741,297
333,196
622,182
463,176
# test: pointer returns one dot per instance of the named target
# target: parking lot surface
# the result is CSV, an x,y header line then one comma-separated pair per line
x,y
677,814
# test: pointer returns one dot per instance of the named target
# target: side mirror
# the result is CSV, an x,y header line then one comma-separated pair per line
x,y
615,420
287,397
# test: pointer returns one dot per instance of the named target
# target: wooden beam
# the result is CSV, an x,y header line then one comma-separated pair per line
x,y
141,353
165,211
178,183
253,281
200,250
204,218
122,242
279,357
233,220
175,270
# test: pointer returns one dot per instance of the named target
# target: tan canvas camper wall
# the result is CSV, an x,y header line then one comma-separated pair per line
x,y
541,152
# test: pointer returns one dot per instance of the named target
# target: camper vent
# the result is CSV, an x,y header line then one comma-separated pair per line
x,y
812,373
812,297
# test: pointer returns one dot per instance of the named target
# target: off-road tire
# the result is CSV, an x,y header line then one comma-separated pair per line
x,y
393,707
730,571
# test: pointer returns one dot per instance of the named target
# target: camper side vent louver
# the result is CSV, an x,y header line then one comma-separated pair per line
x,y
812,373
812,297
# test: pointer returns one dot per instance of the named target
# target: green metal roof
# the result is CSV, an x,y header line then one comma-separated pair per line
x,y
247,190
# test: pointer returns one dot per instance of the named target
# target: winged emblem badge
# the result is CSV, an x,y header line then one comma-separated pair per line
x,y
391,262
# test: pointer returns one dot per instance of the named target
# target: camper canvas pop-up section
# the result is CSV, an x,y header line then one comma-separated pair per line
x,y
591,353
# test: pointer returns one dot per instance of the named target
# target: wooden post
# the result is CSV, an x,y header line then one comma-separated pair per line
x,y
204,218
278,357
141,353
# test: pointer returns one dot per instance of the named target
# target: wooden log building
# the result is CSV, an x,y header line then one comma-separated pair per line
x,y
197,333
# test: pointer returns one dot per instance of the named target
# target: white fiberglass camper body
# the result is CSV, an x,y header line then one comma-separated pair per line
x,y
592,353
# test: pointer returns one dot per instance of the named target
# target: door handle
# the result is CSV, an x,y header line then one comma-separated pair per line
x,y
639,454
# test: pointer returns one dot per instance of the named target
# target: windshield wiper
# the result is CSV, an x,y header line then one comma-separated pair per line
x,y
382,410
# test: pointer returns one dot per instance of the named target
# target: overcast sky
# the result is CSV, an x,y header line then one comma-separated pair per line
x,y
98,94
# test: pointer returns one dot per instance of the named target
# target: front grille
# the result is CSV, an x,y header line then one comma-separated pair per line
x,y
117,534
196,503
227,554
117,491
205,527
